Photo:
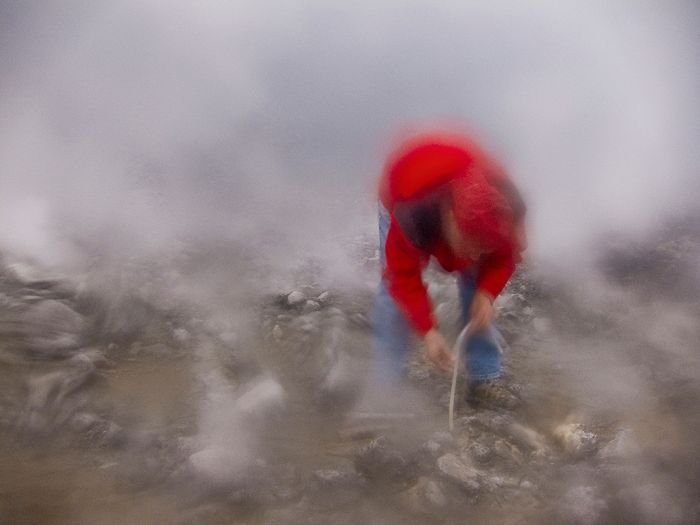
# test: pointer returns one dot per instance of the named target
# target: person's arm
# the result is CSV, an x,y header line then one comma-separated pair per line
x,y
494,272
403,274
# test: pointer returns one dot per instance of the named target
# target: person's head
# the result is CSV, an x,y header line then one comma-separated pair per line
x,y
482,215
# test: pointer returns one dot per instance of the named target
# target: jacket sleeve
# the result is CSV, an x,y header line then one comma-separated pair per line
x,y
403,275
495,271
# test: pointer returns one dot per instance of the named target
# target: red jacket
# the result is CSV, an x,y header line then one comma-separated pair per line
x,y
421,167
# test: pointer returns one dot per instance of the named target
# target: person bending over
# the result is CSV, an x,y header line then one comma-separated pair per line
x,y
443,197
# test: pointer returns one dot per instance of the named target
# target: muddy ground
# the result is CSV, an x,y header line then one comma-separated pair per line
x,y
129,395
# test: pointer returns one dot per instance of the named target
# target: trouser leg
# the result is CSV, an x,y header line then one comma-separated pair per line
x,y
390,336
391,333
482,353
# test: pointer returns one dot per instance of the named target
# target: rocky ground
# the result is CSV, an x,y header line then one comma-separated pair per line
x,y
134,407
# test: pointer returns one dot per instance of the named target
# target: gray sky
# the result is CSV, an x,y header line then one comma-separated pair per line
x,y
154,120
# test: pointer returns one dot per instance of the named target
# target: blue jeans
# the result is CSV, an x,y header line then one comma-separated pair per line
x,y
391,331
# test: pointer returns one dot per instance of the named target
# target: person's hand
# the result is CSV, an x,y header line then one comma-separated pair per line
x,y
480,312
437,350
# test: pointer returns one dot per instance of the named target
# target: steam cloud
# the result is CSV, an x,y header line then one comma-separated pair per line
x,y
156,123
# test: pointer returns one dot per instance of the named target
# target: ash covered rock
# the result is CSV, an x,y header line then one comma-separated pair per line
x,y
439,442
575,440
527,438
508,452
486,420
296,298
311,306
337,479
460,471
381,460
427,497
480,452
98,431
336,487
497,435
44,328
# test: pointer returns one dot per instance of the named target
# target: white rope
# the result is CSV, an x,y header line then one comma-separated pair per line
x,y
456,351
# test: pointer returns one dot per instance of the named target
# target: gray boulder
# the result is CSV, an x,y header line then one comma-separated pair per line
x,y
458,471
426,497
381,460
48,327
